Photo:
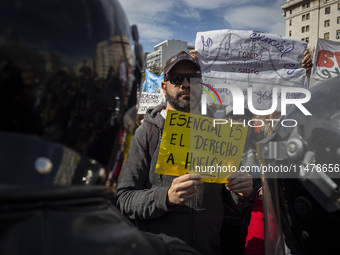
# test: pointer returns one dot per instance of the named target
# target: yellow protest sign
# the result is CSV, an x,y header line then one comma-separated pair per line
x,y
196,144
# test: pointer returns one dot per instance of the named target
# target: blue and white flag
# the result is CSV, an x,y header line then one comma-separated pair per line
x,y
152,83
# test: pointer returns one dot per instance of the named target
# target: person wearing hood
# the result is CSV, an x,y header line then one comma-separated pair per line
x,y
177,207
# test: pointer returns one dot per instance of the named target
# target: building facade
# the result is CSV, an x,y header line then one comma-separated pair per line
x,y
163,51
308,20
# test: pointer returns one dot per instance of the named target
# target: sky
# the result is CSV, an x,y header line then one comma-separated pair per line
x,y
160,20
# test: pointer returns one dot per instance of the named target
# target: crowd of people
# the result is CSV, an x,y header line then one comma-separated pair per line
x,y
176,206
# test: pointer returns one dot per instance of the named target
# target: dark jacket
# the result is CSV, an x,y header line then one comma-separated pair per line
x,y
142,196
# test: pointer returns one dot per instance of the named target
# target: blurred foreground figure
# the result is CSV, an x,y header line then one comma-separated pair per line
x,y
301,205
69,71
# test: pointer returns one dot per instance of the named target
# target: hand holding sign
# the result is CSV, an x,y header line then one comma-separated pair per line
x,y
241,183
183,188
196,144
307,62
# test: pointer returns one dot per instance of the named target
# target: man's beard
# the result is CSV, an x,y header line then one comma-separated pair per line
x,y
186,104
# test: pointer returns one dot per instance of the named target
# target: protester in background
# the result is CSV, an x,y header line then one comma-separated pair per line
x,y
254,241
255,244
183,206
140,119
236,221
240,219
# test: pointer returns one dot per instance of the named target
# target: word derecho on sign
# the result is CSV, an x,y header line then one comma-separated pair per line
x,y
191,143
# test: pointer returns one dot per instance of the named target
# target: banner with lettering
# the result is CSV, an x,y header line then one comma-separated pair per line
x,y
326,61
197,144
253,61
149,100
152,93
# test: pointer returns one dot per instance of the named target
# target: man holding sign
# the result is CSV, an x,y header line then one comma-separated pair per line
x,y
181,207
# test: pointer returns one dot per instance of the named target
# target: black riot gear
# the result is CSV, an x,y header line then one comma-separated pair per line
x,y
301,203
67,78
69,72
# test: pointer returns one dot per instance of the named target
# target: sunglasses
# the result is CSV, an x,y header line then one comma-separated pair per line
x,y
177,79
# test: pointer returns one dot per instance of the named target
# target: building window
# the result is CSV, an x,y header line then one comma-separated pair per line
x,y
307,16
327,23
306,5
326,36
290,22
338,7
290,11
328,10
307,39
305,29
303,17
337,34
338,20
290,32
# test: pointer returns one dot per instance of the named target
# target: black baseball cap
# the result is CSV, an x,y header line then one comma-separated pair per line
x,y
179,57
